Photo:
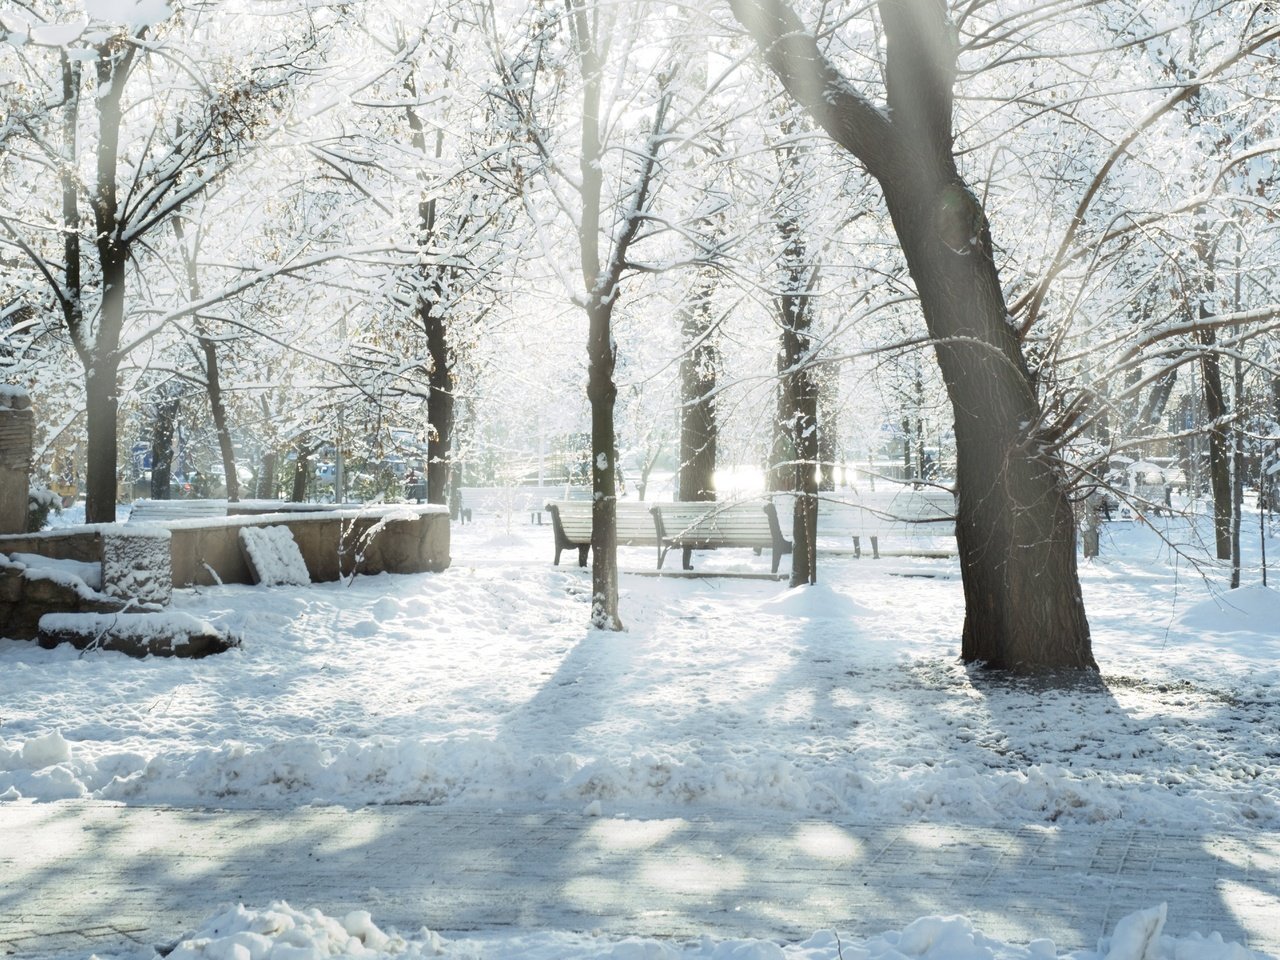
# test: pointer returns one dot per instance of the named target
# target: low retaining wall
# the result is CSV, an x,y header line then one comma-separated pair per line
x,y
333,543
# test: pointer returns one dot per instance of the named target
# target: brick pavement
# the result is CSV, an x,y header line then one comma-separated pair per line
x,y
80,877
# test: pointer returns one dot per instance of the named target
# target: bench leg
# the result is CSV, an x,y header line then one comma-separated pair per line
x,y
776,556
582,554
688,558
857,547
662,555
875,547
556,562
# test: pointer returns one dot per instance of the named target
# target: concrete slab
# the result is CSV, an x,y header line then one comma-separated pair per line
x,y
77,877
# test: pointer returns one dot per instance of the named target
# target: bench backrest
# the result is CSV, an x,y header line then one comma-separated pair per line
x,y
634,522
500,501
716,523
148,511
904,511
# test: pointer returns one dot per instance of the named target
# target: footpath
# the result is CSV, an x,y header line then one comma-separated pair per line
x,y
81,877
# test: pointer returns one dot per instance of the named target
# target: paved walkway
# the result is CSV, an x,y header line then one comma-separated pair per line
x,y
80,877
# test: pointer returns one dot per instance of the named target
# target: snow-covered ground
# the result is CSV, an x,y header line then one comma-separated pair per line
x,y
483,686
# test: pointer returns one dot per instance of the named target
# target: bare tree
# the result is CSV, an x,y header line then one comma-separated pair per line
x,y
1015,528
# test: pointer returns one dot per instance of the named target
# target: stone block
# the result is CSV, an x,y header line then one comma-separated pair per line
x,y
137,566
134,634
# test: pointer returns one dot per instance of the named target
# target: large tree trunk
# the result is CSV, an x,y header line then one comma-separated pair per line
x,y
1015,529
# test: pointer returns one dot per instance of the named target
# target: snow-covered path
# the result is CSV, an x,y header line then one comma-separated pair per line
x,y
155,872
727,701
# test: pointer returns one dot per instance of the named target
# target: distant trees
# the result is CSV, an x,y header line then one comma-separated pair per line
x,y
102,155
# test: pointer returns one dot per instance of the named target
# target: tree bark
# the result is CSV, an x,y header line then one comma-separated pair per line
x,y
213,383
100,468
1015,530
602,392
166,416
1215,407
440,416
301,474
698,364
803,392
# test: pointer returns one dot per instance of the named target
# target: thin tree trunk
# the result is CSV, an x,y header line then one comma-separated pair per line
x,y
213,383
804,440
301,474
698,436
602,392
1215,404
440,415
100,455
166,415
827,419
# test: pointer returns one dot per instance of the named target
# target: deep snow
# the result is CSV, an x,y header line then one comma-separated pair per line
x,y
482,685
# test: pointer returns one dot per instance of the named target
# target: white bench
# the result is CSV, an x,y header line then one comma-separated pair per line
x,y
504,501
902,512
713,525
157,511
571,525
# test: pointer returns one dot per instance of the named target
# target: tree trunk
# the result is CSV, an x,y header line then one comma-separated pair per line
x,y
804,430
213,383
696,477
266,486
1014,529
827,419
1215,406
802,418
166,416
100,471
602,393
439,408
301,474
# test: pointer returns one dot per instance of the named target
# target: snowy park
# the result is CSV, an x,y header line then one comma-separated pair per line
x,y
479,689
739,480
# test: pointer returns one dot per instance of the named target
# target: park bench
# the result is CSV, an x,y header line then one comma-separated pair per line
x,y
158,511
571,524
505,501
902,512
713,525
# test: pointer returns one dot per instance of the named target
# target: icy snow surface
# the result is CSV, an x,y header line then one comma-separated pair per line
x,y
483,685
283,933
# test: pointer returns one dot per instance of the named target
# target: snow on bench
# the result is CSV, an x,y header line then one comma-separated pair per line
x,y
715,525
901,512
158,511
505,501
689,526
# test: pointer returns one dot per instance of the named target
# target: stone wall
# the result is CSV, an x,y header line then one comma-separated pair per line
x,y
333,543
16,424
